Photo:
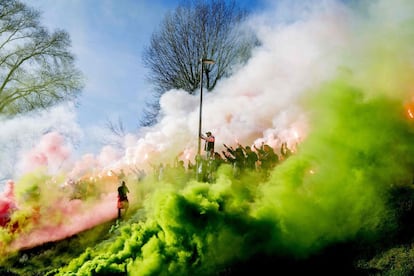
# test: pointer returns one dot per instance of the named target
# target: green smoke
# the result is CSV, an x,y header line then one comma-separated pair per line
x,y
333,189
336,186
198,229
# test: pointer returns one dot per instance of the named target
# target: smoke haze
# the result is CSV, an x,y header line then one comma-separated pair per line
x,y
333,81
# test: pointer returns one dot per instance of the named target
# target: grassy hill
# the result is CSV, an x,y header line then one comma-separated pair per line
x,y
390,253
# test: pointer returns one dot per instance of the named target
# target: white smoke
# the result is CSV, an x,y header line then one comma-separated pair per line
x,y
259,103
302,45
22,133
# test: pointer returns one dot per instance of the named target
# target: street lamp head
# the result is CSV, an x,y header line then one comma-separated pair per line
x,y
207,61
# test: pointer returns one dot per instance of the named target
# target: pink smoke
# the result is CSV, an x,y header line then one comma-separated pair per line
x,y
7,204
77,216
51,151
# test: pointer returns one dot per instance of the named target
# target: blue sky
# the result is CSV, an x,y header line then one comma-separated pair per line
x,y
108,38
303,43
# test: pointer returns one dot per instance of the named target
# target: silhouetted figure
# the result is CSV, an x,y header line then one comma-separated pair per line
x,y
229,155
236,157
122,198
251,158
218,160
285,151
267,157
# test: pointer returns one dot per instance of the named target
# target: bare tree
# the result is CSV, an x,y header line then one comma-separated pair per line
x,y
36,68
195,30
117,131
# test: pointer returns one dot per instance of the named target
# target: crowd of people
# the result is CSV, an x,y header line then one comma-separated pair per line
x,y
204,168
241,158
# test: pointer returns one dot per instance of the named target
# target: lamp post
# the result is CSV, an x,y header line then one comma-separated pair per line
x,y
203,61
198,158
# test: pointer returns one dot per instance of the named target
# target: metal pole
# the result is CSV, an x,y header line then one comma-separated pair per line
x,y
198,157
202,61
201,108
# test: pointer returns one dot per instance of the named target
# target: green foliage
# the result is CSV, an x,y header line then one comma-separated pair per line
x,y
36,67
